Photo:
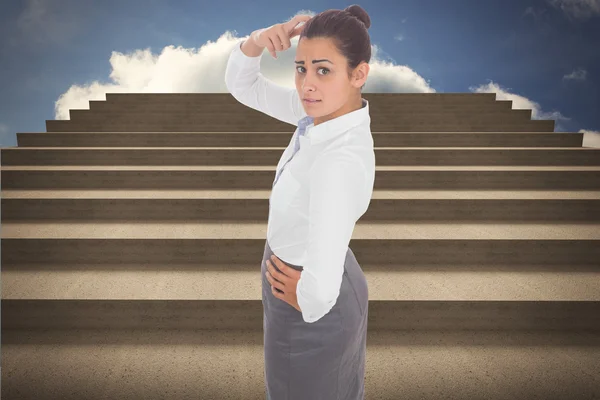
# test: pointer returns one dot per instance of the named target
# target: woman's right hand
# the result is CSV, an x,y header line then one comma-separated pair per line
x,y
277,37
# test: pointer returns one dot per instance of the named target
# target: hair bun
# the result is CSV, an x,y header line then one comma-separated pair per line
x,y
358,12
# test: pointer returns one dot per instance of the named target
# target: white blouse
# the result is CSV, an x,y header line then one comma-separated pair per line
x,y
319,192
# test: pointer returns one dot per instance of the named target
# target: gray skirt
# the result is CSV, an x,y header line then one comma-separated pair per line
x,y
323,360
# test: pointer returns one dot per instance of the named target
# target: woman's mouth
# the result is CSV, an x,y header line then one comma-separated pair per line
x,y
312,101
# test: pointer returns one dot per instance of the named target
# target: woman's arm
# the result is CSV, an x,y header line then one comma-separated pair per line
x,y
247,84
249,46
250,87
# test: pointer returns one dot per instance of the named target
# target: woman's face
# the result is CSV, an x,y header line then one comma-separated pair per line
x,y
326,81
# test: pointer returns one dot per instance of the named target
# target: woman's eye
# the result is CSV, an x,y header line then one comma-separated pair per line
x,y
323,68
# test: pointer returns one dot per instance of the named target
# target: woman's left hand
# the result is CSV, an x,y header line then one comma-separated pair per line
x,y
286,281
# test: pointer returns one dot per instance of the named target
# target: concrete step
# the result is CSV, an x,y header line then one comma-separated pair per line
x,y
259,177
386,99
200,114
417,284
228,365
253,205
208,263
282,139
271,125
533,126
265,156
549,245
254,230
102,105
421,195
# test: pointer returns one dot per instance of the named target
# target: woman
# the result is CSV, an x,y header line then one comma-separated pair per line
x,y
315,295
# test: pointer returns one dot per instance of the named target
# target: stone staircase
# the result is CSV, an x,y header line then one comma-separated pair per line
x,y
132,236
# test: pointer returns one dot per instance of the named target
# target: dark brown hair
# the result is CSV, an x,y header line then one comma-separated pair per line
x,y
348,30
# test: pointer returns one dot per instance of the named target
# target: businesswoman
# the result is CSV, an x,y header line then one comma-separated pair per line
x,y
314,292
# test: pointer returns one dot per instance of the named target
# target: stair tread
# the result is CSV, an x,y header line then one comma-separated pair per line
x,y
273,167
235,282
219,230
265,194
290,132
186,148
230,364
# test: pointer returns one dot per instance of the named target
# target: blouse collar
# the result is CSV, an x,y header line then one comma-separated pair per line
x,y
336,126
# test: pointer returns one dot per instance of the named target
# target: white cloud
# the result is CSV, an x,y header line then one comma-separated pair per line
x,y
190,70
578,9
3,129
521,103
579,75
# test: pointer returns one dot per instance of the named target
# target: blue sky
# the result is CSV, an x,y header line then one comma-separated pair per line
x,y
57,55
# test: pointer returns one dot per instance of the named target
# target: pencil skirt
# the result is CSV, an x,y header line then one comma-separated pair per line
x,y
322,360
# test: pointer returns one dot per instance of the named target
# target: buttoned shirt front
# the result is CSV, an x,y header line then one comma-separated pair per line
x,y
323,183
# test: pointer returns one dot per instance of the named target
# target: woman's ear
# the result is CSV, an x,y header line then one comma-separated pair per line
x,y
361,73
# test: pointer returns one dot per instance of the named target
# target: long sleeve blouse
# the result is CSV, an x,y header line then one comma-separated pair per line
x,y
323,183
